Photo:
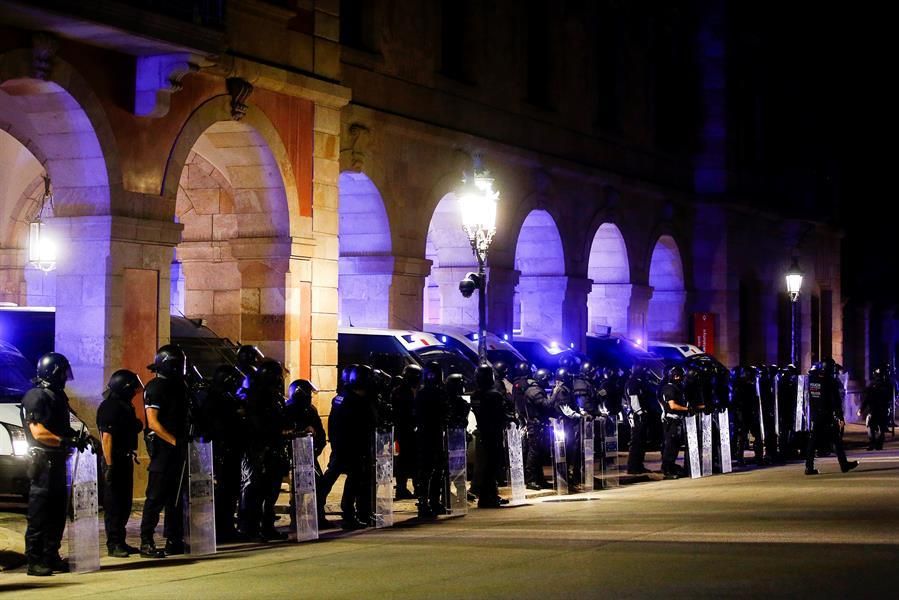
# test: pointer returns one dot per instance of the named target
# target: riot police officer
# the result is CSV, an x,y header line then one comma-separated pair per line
x,y
570,414
45,413
674,403
641,398
119,427
745,403
402,398
166,406
876,402
787,388
430,413
768,407
304,419
826,407
540,410
248,359
265,462
492,417
226,415
582,389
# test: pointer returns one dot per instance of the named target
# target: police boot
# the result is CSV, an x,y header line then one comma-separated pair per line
x,y
39,570
148,549
849,466
811,471
174,547
117,551
58,565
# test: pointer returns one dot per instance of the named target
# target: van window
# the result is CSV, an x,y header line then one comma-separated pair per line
x,y
380,351
450,360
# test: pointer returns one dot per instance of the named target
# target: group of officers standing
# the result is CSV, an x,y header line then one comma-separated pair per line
x,y
244,412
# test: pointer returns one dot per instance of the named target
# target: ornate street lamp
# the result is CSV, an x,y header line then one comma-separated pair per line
x,y
41,247
794,285
478,201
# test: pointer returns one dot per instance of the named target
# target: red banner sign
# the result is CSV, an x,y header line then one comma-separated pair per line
x,y
704,331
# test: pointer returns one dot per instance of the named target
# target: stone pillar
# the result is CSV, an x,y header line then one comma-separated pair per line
x,y
364,290
501,299
637,310
454,308
607,306
574,311
406,289
667,315
542,304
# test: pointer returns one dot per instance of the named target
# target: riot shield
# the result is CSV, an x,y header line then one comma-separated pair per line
x,y
724,441
777,410
516,464
692,457
560,464
758,395
610,471
800,423
84,531
200,508
457,492
706,445
587,449
304,506
384,481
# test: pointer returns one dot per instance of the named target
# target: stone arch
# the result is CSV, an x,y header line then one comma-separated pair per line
x,y
542,285
448,249
666,317
231,185
608,267
365,268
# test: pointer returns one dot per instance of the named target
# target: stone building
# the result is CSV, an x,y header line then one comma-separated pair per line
x,y
206,157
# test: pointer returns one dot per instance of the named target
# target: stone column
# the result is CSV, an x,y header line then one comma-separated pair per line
x,y
406,289
607,306
454,308
501,299
637,310
364,290
542,304
574,311
667,311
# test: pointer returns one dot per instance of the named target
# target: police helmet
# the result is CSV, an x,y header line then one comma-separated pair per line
x,y
412,375
300,392
54,369
676,374
563,376
170,361
227,378
271,373
124,384
501,369
433,373
523,369
455,384
638,370
570,362
249,357
358,376
542,377
829,366
484,377
588,368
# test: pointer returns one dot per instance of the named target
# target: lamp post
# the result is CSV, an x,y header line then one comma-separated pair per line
x,y
794,284
41,247
478,201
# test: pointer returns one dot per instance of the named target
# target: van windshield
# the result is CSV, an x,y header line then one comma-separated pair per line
x,y
450,360
15,374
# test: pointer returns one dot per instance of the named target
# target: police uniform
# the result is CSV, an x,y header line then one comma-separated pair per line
x,y
430,412
826,407
539,409
116,416
48,492
492,415
641,397
167,463
673,427
876,403
401,399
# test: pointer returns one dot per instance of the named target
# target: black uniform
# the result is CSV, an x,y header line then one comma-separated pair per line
x,y
826,407
769,410
641,397
563,401
430,412
265,462
787,388
305,420
227,422
48,492
673,427
876,402
169,397
492,416
539,410
745,406
404,433
116,416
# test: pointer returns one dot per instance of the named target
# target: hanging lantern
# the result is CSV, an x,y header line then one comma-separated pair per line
x,y
41,246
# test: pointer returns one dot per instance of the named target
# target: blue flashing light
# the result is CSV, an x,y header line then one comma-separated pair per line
x,y
506,337
474,337
443,338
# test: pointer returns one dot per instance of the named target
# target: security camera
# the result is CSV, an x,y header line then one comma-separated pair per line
x,y
469,284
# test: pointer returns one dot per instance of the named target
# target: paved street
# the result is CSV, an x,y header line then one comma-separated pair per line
x,y
771,532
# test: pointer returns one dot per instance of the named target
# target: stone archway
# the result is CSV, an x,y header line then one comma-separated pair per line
x,y
666,318
236,197
366,265
542,285
608,268
451,258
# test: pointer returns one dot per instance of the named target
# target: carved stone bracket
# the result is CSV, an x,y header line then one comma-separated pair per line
x,y
239,90
44,47
158,77
357,146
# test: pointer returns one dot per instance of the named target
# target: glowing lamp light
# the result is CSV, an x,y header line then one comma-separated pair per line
x,y
794,280
42,249
506,337
554,345
571,345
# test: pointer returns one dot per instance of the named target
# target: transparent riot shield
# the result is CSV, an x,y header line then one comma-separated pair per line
x,y
516,464
610,470
777,410
457,492
560,463
692,457
706,421
384,481
304,506
587,450
800,423
84,531
724,441
200,508
758,395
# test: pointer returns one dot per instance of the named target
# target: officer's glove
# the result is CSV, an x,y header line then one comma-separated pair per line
x,y
566,410
110,477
